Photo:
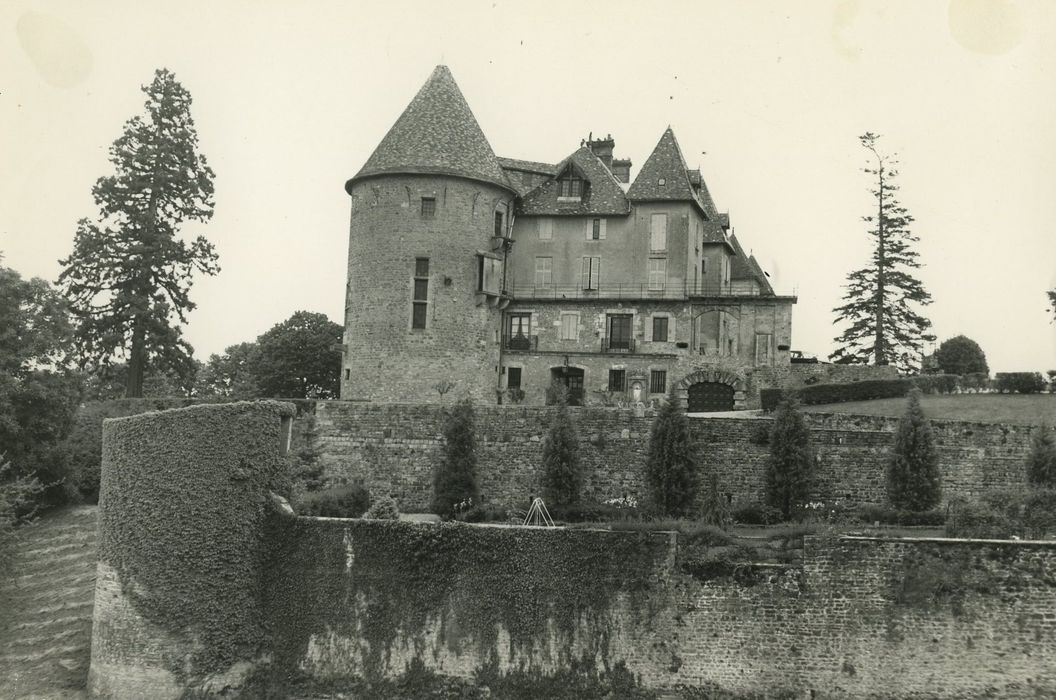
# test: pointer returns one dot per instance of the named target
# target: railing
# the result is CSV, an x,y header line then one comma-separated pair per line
x,y
521,342
635,290
617,345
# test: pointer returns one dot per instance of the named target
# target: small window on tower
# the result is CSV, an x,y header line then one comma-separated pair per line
x,y
428,207
498,224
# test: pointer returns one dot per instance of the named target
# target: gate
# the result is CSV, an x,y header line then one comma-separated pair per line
x,y
705,397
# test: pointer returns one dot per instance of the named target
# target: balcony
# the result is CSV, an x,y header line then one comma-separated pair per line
x,y
521,343
635,290
617,345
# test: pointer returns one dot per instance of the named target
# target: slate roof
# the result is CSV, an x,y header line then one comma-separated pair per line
x,y
604,197
530,166
664,163
436,134
744,267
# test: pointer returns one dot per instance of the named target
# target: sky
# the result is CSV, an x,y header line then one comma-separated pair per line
x,y
767,98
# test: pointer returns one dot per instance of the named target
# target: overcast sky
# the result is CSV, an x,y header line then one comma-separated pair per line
x,y
768,98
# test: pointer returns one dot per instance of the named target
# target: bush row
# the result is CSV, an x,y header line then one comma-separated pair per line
x,y
1019,382
1005,514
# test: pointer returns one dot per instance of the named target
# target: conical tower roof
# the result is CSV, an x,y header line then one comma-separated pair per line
x,y
436,134
664,175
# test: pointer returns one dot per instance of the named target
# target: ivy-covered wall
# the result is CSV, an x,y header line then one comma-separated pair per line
x,y
361,598
394,449
179,597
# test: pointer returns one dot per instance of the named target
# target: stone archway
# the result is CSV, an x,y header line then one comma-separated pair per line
x,y
712,376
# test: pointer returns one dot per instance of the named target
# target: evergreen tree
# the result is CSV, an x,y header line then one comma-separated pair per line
x,y
881,298
562,474
670,469
913,479
961,355
455,479
790,468
1041,465
129,276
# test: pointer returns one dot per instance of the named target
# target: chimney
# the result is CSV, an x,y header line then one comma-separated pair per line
x,y
602,148
621,168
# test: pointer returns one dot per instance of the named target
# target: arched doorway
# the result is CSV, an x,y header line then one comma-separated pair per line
x,y
705,397
572,378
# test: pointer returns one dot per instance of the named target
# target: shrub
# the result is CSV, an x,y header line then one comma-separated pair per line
x,y
790,468
961,355
1041,464
978,520
886,515
587,512
755,514
455,479
562,475
715,508
913,478
936,383
18,505
1039,514
347,501
1019,382
486,514
670,472
384,508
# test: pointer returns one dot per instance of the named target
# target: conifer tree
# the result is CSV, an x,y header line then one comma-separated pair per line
x,y
881,299
670,469
129,276
913,479
562,473
790,468
455,479
1041,464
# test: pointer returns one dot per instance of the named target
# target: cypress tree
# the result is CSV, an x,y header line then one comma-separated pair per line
x,y
1041,465
562,474
670,472
455,479
913,479
790,468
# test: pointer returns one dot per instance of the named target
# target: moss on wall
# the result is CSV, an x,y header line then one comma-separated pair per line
x,y
183,498
375,583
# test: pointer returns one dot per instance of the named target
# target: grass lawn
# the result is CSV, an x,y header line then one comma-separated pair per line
x,y
1028,409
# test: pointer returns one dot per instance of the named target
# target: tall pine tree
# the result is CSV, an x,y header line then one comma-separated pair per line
x,y
455,477
790,469
562,474
129,276
670,469
882,298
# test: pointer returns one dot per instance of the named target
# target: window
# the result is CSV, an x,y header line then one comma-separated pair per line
x,y
518,325
591,273
657,274
617,380
569,326
658,232
489,272
513,377
762,348
570,185
595,229
544,272
420,300
348,374
620,331
499,230
660,329
658,381
546,229
429,207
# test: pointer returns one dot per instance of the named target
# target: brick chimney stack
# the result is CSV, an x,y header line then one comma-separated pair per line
x,y
603,148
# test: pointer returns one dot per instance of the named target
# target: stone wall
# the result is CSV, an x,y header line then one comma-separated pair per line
x,y
394,448
824,373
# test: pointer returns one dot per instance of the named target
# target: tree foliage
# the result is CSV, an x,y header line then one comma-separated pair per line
x,y
298,358
961,355
884,326
670,469
562,472
455,479
1052,302
790,467
230,373
129,276
914,482
1041,464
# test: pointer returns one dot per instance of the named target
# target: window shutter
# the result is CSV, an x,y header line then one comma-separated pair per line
x,y
602,235
589,229
596,273
586,273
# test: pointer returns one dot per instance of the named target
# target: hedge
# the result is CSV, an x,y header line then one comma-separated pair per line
x,y
866,390
1019,382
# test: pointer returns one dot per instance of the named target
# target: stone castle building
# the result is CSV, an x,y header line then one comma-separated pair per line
x,y
493,277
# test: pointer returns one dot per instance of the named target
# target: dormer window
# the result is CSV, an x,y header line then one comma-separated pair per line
x,y
571,186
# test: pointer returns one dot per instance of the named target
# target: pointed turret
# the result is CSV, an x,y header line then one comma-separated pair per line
x,y
664,175
436,135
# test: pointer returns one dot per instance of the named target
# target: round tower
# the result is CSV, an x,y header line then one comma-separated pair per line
x,y
428,235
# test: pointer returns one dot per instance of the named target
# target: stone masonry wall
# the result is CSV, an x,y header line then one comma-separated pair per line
x,y
394,448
